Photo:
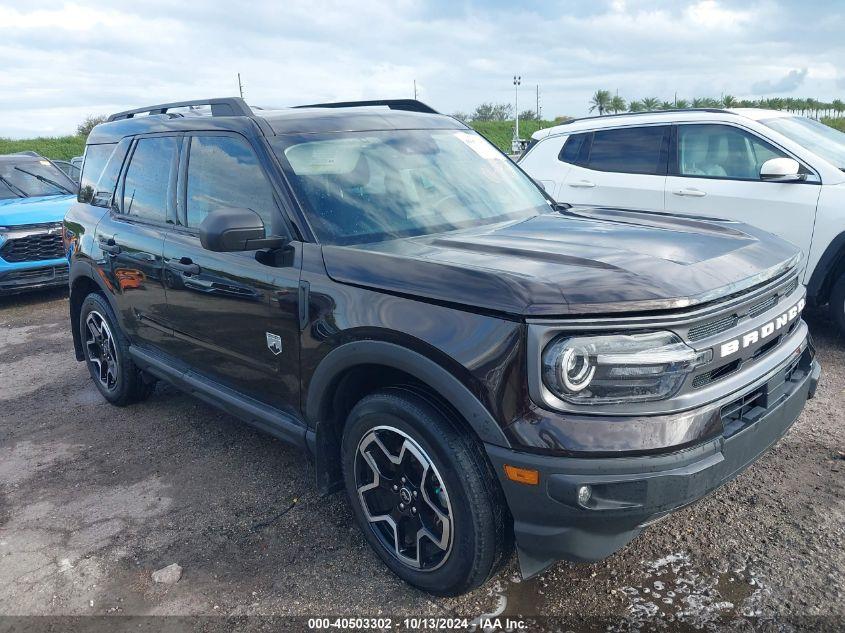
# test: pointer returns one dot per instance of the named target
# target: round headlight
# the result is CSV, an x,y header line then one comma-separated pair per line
x,y
569,366
575,369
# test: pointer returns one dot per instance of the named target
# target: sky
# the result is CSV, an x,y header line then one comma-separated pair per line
x,y
60,61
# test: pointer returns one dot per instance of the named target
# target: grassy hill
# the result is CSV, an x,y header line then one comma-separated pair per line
x,y
58,147
498,132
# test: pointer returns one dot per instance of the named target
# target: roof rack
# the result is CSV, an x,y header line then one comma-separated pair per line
x,y
670,110
226,106
410,105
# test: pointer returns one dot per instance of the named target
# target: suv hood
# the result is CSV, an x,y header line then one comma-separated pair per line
x,y
35,210
585,260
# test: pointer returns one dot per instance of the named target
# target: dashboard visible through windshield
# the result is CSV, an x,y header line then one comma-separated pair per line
x,y
373,186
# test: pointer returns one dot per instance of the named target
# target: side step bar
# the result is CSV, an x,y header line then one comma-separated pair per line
x,y
269,419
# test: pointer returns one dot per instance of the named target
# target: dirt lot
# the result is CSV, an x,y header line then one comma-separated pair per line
x,y
93,499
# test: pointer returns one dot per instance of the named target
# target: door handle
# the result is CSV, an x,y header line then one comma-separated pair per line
x,y
185,266
109,246
690,193
582,184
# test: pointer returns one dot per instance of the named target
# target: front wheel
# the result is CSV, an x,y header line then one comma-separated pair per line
x,y
837,304
107,354
423,493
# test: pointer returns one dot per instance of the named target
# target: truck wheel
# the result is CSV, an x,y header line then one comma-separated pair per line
x,y
424,493
107,354
837,304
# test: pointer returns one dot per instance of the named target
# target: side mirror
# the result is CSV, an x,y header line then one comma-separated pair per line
x,y
781,170
231,229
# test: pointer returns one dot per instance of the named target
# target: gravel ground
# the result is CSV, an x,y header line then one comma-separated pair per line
x,y
93,499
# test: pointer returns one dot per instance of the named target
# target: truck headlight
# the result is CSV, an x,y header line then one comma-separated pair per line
x,y
619,368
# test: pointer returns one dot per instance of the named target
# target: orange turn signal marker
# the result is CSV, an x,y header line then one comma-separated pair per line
x,y
526,476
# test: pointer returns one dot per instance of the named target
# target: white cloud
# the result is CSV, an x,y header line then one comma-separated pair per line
x,y
63,61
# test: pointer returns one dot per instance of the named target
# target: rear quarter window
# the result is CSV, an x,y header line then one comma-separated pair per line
x,y
93,165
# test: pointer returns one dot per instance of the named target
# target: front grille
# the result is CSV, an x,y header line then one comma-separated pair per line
x,y
711,328
729,321
15,279
33,248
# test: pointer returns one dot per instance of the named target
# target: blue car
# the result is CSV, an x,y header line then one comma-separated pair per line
x,y
34,197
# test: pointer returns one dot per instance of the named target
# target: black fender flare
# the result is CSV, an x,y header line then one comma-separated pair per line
x,y
818,288
424,369
79,270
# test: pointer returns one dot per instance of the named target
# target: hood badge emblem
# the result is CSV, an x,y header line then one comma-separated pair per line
x,y
274,343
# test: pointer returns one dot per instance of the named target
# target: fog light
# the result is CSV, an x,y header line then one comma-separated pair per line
x,y
584,494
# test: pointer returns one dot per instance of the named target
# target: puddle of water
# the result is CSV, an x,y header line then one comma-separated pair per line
x,y
674,593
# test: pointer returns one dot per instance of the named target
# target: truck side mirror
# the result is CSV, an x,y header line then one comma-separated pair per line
x,y
231,229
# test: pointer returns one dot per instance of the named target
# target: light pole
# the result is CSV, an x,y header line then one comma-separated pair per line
x,y
517,80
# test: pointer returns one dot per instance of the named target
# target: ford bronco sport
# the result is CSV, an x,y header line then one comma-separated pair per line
x,y
377,284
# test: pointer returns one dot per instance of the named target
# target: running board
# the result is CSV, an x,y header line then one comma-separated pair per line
x,y
269,419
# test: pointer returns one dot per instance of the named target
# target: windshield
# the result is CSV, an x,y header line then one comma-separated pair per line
x,y
16,183
374,186
817,137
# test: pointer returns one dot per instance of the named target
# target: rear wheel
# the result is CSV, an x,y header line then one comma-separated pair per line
x,y
107,354
423,493
837,304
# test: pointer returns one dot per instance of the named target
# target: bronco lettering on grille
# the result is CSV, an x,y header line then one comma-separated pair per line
x,y
762,332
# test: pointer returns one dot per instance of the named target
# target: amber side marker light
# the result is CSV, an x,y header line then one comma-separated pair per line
x,y
526,476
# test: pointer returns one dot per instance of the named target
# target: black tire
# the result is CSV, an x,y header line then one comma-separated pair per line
x,y
107,358
461,486
837,304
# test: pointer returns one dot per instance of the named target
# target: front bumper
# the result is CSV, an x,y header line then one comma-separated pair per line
x,y
26,276
629,493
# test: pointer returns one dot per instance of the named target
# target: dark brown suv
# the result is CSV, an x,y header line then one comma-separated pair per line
x,y
377,284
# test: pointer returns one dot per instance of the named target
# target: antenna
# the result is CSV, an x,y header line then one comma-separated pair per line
x,y
240,86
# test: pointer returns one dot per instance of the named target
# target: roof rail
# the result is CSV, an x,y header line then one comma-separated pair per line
x,y
225,106
670,110
410,105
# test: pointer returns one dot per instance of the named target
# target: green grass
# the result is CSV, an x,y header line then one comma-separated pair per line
x,y
838,123
58,148
500,133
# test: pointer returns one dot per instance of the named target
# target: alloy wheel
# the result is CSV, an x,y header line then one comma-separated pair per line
x,y
404,498
102,353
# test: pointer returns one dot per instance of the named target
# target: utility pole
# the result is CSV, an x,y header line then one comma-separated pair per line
x,y
517,80
538,104
415,89
240,86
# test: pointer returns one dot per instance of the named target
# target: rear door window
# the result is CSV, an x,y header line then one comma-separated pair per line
x,y
150,181
635,150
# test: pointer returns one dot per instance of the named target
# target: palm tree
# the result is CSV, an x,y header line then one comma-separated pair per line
x,y
636,106
600,101
838,107
651,103
728,101
667,105
617,104
699,102
681,104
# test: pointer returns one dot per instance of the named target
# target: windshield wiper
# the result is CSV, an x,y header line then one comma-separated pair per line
x,y
44,179
15,189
